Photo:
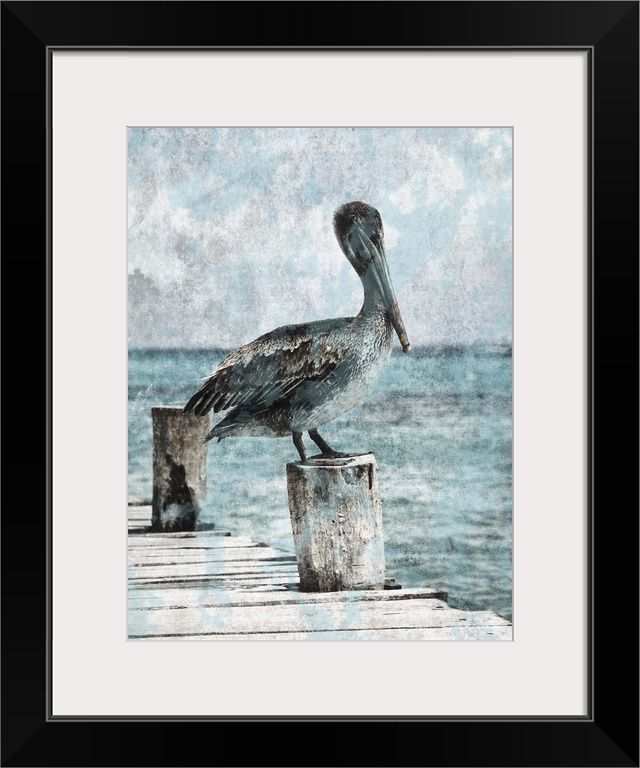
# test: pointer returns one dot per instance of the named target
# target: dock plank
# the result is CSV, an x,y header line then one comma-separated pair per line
x,y
231,581
306,617
220,554
213,568
150,538
192,597
493,633
151,542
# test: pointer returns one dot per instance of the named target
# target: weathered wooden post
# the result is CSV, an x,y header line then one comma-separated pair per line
x,y
179,468
337,523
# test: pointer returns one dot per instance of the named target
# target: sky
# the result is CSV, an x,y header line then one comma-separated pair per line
x,y
230,230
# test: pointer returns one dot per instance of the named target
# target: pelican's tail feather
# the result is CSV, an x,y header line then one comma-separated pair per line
x,y
232,422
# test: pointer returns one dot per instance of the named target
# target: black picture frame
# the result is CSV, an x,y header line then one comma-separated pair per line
x,y
608,735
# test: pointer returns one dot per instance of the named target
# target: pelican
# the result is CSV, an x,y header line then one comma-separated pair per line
x,y
296,378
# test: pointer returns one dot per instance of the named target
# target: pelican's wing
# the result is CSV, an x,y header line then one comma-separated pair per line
x,y
270,368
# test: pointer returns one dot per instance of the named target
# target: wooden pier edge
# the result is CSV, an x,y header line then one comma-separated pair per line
x,y
185,583
212,585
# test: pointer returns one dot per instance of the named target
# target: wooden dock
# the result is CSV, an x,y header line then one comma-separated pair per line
x,y
212,585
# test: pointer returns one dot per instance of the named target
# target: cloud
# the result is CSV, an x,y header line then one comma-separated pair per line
x,y
463,296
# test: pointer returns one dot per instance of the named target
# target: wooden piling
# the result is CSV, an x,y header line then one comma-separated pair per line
x,y
337,523
179,468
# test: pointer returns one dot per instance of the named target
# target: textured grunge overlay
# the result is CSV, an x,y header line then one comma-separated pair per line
x,y
232,233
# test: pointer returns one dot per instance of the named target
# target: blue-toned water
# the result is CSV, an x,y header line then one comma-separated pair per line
x,y
439,424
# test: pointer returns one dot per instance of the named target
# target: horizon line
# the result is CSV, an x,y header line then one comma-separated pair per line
x,y
416,347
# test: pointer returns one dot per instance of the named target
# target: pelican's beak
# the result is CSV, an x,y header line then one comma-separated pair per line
x,y
380,273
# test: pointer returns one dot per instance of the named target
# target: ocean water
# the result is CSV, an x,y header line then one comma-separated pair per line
x,y
440,425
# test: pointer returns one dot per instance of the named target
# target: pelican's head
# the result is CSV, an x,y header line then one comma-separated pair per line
x,y
358,228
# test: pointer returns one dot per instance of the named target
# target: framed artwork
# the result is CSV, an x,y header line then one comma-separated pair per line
x,y
106,80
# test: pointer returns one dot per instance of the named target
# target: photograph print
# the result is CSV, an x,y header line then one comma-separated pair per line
x,y
320,383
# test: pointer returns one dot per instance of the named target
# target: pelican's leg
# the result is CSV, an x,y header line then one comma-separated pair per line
x,y
297,441
326,449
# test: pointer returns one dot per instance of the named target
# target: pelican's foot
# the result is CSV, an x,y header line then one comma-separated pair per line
x,y
331,455
327,451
